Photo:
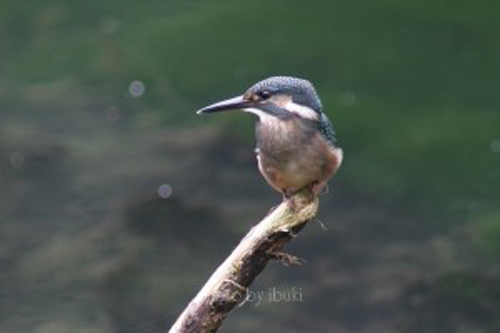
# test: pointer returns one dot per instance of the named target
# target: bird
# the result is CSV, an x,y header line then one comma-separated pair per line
x,y
297,146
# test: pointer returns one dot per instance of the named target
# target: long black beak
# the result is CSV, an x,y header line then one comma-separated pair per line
x,y
228,104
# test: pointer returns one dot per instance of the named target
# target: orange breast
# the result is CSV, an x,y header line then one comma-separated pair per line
x,y
306,162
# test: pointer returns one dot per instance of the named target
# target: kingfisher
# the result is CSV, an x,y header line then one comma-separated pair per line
x,y
296,144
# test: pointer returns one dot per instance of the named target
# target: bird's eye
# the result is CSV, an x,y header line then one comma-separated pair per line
x,y
264,94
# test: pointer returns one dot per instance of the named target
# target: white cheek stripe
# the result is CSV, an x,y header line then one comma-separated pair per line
x,y
302,110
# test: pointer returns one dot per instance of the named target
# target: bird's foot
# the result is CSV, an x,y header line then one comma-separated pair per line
x,y
301,197
290,203
318,188
288,199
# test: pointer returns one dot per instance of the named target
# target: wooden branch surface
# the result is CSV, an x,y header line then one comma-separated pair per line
x,y
228,285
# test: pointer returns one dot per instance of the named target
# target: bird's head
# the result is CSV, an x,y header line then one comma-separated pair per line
x,y
283,97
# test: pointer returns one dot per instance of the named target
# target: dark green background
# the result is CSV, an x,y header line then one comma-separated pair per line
x,y
413,219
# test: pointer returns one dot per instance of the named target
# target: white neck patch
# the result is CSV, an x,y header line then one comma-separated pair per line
x,y
301,110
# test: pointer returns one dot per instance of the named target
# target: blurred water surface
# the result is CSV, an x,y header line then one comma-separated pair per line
x,y
117,201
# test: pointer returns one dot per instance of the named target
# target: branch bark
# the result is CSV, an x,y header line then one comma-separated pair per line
x,y
228,285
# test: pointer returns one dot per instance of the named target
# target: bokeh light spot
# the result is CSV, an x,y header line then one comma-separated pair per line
x,y
348,98
17,159
136,88
495,146
110,25
165,191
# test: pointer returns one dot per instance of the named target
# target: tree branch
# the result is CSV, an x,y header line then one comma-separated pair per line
x,y
228,284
